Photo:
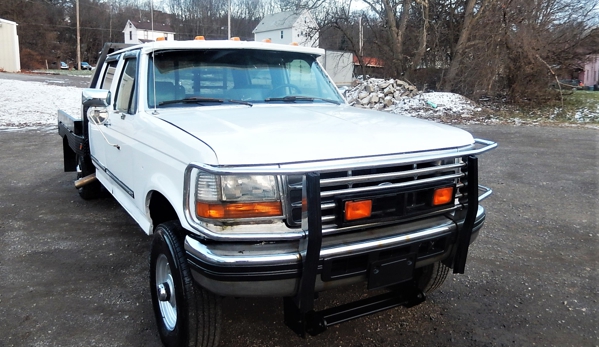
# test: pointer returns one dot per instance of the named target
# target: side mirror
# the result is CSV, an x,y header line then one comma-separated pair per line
x,y
95,97
95,103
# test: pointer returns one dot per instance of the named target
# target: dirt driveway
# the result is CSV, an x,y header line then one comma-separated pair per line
x,y
74,273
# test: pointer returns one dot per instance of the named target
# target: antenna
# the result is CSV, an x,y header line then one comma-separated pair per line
x,y
153,58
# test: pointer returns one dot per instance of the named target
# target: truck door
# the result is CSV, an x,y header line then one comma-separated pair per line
x,y
120,130
97,142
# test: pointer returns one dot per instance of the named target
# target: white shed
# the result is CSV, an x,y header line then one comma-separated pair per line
x,y
140,32
10,60
288,27
339,65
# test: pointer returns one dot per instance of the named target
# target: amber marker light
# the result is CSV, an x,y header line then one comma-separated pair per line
x,y
238,210
358,209
160,39
442,196
200,38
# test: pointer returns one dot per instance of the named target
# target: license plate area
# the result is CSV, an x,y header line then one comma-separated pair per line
x,y
383,273
382,267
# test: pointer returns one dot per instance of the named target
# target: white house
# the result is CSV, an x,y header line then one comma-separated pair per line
x,y
287,27
140,32
590,75
10,60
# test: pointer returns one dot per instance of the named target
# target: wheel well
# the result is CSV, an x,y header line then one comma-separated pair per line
x,y
161,209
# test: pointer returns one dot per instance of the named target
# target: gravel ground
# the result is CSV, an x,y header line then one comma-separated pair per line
x,y
75,272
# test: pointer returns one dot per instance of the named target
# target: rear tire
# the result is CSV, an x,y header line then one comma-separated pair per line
x,y
432,277
186,314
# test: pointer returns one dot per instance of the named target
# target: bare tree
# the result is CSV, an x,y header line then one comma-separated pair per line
x,y
473,10
512,48
419,54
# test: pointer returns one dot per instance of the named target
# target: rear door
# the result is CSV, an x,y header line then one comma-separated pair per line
x,y
121,128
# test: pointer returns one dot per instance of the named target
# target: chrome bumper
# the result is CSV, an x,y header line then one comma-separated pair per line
x,y
274,269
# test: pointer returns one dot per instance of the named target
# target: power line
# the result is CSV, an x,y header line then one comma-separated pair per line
x,y
64,26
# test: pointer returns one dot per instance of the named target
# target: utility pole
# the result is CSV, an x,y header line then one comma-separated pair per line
x,y
361,43
110,25
361,36
229,20
78,38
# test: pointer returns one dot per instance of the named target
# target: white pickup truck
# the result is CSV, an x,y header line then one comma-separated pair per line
x,y
256,178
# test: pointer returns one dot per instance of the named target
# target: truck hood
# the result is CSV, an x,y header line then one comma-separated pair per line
x,y
292,133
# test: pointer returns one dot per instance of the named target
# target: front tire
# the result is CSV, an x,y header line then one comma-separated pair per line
x,y
432,277
186,314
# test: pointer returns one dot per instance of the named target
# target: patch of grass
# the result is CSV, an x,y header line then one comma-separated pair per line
x,y
582,98
579,107
69,72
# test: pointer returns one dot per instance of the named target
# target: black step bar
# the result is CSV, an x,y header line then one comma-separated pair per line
x,y
316,322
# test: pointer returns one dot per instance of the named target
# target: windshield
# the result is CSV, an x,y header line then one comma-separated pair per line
x,y
211,77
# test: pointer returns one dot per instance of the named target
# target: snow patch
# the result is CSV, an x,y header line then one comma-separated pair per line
x,y
25,104
432,105
34,104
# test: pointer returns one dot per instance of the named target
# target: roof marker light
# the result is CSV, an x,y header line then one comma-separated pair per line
x,y
267,40
294,44
160,39
235,38
199,38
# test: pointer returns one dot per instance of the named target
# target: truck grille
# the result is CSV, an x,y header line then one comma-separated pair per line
x,y
402,192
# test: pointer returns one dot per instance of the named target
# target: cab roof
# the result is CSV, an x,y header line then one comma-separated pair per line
x,y
222,44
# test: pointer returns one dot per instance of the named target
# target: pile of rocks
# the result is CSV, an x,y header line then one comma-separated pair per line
x,y
379,94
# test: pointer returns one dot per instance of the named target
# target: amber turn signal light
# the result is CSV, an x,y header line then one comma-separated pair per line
x,y
238,210
358,209
442,196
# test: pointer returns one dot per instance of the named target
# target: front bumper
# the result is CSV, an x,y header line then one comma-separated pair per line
x,y
275,269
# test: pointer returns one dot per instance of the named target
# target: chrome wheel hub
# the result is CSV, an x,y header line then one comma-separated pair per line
x,y
164,292
165,288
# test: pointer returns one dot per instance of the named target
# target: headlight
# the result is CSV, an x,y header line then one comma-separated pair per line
x,y
236,196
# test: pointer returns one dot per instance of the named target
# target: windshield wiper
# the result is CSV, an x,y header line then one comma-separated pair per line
x,y
240,102
293,98
196,99
191,100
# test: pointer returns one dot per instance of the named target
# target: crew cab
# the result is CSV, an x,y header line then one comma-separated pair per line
x,y
256,178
